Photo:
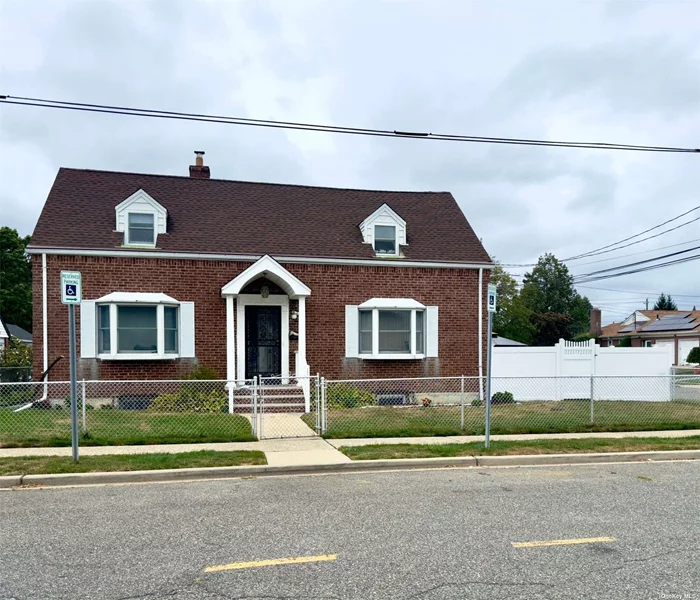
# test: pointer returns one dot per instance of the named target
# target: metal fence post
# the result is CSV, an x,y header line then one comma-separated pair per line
x,y
592,401
84,411
461,403
318,403
254,419
324,415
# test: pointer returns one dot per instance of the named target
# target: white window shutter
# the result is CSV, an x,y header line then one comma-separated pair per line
x,y
88,331
187,329
431,314
352,332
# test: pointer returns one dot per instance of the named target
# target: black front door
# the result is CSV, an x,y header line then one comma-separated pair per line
x,y
263,341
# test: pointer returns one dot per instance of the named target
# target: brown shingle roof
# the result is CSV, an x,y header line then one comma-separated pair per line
x,y
236,217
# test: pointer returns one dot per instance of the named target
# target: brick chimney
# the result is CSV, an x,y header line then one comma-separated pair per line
x,y
596,328
198,170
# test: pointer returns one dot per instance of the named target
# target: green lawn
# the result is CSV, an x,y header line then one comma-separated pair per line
x,y
50,427
528,417
27,465
378,451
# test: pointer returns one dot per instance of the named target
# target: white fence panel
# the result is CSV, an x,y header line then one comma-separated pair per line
x,y
571,366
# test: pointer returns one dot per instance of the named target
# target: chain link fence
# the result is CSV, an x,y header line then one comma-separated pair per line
x,y
191,411
15,374
156,412
519,405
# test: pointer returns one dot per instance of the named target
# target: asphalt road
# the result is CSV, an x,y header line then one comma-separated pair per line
x,y
424,535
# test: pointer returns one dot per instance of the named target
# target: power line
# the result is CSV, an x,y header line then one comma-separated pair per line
x,y
588,287
292,125
603,250
642,269
639,262
637,253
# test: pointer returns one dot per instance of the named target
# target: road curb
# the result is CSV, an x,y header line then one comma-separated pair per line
x,y
585,458
10,481
173,475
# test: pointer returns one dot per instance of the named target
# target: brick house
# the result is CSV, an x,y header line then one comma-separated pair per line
x,y
256,279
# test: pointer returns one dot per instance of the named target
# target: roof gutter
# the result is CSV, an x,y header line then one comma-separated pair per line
x,y
255,257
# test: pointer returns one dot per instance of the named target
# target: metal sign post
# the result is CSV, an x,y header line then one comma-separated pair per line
x,y
491,305
71,294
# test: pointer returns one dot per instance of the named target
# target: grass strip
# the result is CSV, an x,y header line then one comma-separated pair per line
x,y
32,465
34,427
566,416
384,451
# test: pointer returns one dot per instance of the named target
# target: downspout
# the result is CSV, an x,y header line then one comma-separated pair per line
x,y
481,334
44,325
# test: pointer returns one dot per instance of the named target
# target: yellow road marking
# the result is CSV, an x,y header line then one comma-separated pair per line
x,y
271,562
597,540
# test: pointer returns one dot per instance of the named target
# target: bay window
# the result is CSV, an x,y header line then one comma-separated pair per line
x,y
136,329
391,329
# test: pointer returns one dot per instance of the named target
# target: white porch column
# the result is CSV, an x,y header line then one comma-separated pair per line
x,y
302,331
230,341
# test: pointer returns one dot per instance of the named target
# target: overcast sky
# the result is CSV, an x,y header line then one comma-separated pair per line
x,y
618,71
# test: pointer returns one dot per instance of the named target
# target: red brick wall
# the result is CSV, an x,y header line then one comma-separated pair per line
x,y
454,291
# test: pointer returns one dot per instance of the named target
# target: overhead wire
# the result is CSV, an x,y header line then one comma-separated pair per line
x,y
294,125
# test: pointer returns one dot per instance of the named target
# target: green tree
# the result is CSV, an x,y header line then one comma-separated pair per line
x,y
665,302
550,327
512,318
15,279
549,289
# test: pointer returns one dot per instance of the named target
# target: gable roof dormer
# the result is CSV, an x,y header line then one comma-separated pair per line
x,y
380,226
141,212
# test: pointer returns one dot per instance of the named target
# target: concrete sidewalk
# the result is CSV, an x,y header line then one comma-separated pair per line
x,y
311,451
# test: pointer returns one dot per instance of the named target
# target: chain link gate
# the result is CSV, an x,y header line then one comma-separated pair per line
x,y
285,407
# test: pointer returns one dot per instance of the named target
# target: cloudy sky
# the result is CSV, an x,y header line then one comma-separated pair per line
x,y
617,71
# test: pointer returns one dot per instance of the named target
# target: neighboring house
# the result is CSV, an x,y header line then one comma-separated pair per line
x,y
21,334
256,279
501,341
677,328
4,335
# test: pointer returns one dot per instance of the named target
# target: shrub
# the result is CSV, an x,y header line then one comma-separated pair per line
x,y
66,404
502,398
476,402
202,372
344,395
188,399
694,355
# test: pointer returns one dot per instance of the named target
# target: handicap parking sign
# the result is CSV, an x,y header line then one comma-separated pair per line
x,y
71,292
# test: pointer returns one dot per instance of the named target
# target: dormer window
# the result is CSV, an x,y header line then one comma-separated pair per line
x,y
385,230
385,239
141,218
141,229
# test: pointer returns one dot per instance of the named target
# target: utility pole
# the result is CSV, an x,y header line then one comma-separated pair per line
x,y
647,303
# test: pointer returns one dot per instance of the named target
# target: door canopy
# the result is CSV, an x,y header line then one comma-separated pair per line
x,y
272,270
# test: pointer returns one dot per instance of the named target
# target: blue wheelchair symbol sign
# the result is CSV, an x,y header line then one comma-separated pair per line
x,y
71,290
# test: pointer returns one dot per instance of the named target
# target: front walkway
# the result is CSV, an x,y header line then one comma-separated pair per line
x,y
317,451
284,425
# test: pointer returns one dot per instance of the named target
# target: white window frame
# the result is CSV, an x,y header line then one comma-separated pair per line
x,y
648,343
160,353
375,354
396,240
127,232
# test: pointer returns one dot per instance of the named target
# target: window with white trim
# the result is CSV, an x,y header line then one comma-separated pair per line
x,y
391,333
137,329
385,239
141,229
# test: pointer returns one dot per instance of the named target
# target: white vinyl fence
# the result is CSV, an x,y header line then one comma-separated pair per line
x,y
573,365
